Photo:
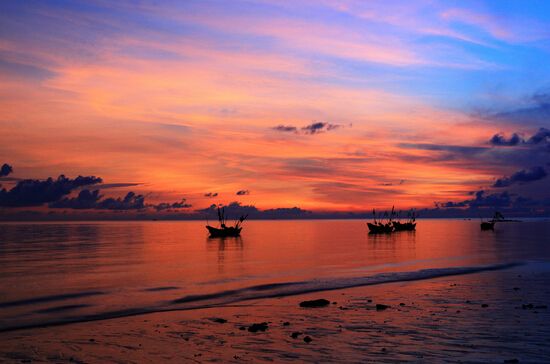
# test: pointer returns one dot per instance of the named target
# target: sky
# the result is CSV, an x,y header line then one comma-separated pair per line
x,y
327,106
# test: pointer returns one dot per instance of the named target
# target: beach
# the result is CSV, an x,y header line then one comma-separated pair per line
x,y
490,317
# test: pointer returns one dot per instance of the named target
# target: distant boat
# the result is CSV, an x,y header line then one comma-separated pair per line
x,y
490,225
410,225
379,228
224,230
404,226
385,224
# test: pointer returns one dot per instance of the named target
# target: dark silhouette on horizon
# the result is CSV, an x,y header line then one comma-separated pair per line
x,y
224,230
386,224
497,217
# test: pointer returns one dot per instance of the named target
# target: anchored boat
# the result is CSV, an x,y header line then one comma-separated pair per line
x,y
490,225
385,224
223,230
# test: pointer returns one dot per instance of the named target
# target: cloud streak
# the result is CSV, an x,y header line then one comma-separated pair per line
x,y
310,129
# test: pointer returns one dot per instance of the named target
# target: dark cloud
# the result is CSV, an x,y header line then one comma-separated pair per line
x,y
92,200
286,128
542,135
130,202
534,150
482,199
500,140
31,192
318,127
311,129
118,185
484,204
235,209
458,155
169,206
458,149
5,170
243,192
523,176
391,183
86,199
503,152
211,194
286,213
536,112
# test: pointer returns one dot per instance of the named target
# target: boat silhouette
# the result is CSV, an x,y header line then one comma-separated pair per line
x,y
379,228
382,224
385,223
490,224
410,225
223,230
404,226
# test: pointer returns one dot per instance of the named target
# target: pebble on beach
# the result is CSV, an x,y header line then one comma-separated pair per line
x,y
381,307
315,303
262,326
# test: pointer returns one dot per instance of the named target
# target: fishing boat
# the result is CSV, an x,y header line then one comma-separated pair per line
x,y
223,230
382,224
410,225
385,223
490,225
379,228
404,226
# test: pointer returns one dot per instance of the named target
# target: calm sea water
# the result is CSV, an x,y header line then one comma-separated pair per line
x,y
55,272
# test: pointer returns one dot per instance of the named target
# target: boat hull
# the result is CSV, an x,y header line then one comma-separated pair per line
x,y
488,225
379,229
225,232
404,226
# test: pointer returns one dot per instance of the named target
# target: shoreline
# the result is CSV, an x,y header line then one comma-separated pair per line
x,y
265,291
490,317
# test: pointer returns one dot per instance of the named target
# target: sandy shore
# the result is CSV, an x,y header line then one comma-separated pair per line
x,y
486,317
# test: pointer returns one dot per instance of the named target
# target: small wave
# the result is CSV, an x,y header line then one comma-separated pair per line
x,y
235,292
157,289
53,298
295,288
272,290
62,308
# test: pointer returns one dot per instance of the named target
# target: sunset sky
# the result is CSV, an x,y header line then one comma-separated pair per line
x,y
323,105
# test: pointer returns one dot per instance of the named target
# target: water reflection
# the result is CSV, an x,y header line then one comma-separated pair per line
x,y
221,244
390,248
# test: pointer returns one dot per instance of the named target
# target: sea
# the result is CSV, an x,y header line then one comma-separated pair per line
x,y
54,273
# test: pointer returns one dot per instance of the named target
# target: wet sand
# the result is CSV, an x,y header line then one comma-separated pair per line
x,y
499,316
